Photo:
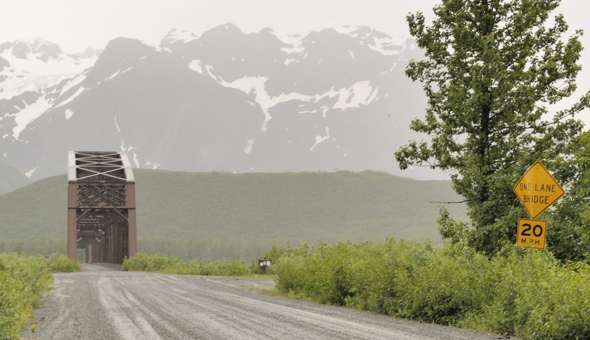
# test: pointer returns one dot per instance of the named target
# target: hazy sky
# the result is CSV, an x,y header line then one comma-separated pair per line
x,y
77,24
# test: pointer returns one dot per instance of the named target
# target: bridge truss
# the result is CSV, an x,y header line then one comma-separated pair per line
x,y
101,207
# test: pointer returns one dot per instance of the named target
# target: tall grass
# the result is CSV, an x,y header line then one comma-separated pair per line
x,y
524,293
173,265
59,263
23,280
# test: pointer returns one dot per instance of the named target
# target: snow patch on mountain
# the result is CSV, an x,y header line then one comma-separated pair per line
x,y
249,146
33,74
131,153
178,35
72,83
118,73
386,46
320,139
257,85
116,121
124,148
72,97
378,41
196,66
294,42
359,94
136,160
29,113
349,30
30,173
152,165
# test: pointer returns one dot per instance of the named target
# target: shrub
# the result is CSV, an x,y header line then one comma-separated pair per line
x,y
230,268
62,264
536,297
22,282
149,263
173,265
525,293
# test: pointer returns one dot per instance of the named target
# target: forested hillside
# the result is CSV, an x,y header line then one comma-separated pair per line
x,y
220,215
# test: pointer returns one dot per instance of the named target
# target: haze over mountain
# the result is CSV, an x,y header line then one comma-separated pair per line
x,y
11,178
222,101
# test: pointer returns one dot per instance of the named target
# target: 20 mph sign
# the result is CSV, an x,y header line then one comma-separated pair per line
x,y
531,234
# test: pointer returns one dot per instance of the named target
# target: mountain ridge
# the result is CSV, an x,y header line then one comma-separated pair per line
x,y
225,100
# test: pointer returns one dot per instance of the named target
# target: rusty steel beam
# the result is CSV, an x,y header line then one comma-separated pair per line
x,y
101,206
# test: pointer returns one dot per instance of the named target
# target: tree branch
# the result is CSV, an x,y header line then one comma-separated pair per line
x,y
449,202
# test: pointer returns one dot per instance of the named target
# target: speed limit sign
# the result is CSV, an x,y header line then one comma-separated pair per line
x,y
531,234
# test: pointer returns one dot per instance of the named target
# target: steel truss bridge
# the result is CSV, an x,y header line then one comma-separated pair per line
x,y
101,207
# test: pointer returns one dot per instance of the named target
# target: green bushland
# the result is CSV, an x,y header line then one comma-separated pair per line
x,y
222,216
22,282
174,265
59,263
525,293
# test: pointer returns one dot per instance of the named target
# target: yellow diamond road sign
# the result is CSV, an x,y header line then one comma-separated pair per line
x,y
537,189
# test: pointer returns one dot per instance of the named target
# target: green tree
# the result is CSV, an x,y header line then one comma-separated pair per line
x,y
569,236
491,72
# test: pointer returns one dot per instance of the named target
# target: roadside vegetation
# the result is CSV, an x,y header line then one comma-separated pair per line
x,y
493,73
529,294
59,263
23,280
174,265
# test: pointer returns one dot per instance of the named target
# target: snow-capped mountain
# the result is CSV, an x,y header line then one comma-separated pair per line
x,y
27,71
225,100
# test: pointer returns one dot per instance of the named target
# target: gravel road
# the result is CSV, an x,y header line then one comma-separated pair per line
x,y
104,303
